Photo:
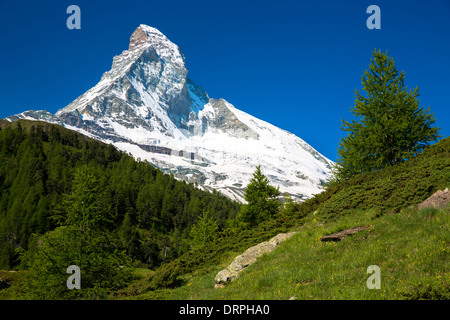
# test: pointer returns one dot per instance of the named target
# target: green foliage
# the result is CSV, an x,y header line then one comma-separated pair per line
x,y
388,190
147,213
204,231
101,264
411,248
434,289
262,202
229,242
391,128
289,208
83,242
84,207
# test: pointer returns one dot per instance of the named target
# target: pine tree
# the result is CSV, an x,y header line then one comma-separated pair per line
x,y
83,242
262,201
204,231
83,204
392,127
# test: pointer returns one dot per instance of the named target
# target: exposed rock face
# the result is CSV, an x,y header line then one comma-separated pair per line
x,y
138,37
437,200
228,123
147,105
249,257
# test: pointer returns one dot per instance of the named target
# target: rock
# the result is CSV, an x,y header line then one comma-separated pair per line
x,y
338,236
437,200
247,258
138,37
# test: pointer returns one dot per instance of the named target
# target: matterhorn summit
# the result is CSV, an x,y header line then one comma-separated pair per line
x,y
147,106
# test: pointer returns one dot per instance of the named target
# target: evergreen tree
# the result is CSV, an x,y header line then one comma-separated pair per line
x,y
83,204
129,236
81,242
288,208
391,127
204,231
262,201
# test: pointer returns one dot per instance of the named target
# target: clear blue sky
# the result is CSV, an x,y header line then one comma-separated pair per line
x,y
294,64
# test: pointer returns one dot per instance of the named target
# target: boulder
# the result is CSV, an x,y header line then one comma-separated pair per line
x,y
437,200
249,257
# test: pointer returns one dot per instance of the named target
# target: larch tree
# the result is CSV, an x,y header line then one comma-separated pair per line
x,y
262,200
390,128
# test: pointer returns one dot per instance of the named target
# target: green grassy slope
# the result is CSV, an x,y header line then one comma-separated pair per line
x,y
410,247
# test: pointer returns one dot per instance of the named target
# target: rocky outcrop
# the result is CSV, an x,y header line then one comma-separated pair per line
x,y
138,38
249,257
437,200
227,122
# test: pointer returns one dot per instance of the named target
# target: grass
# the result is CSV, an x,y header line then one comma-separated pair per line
x,y
411,248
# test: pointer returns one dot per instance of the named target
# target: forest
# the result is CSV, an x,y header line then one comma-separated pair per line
x,y
149,214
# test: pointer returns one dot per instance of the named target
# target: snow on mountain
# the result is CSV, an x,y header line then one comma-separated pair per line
x,y
146,105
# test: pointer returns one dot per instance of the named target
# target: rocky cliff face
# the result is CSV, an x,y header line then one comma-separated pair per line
x,y
147,105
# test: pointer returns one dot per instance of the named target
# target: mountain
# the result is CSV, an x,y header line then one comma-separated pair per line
x,y
147,106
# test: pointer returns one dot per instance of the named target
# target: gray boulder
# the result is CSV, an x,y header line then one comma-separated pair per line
x,y
249,257
437,200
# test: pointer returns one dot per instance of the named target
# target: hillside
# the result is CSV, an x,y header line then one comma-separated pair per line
x,y
410,246
149,212
411,249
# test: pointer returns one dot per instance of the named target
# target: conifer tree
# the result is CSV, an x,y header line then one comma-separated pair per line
x,y
82,205
83,242
391,126
262,201
204,231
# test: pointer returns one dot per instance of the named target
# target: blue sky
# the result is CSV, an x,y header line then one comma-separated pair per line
x,y
294,64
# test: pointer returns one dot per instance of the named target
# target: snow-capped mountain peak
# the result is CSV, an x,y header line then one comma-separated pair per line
x,y
148,36
146,105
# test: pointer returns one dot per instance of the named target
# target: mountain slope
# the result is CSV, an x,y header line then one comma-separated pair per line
x,y
150,213
146,105
411,249
410,246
